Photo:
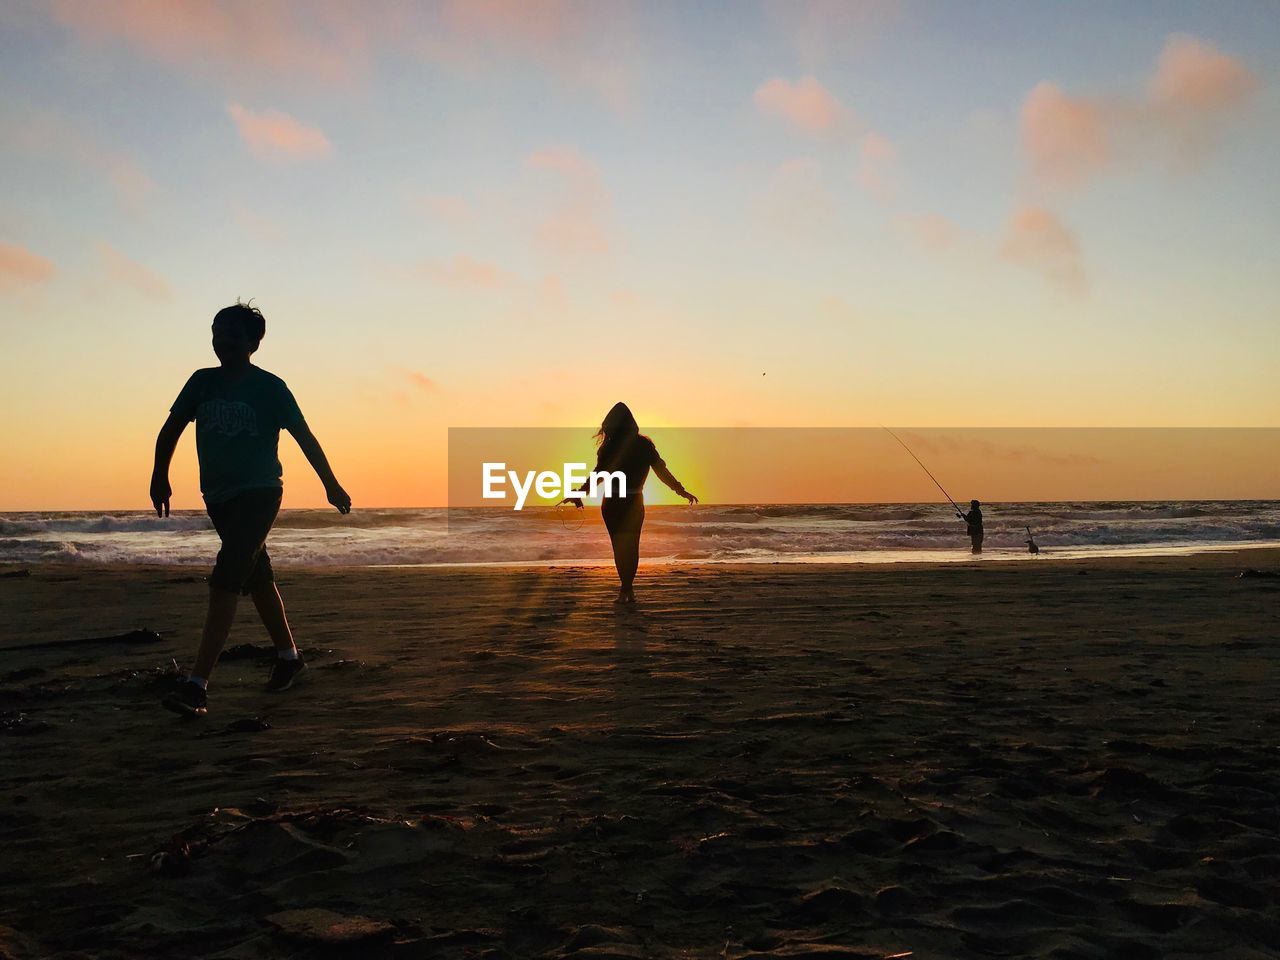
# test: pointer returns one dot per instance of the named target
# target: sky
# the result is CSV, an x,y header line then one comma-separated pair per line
x,y
503,214
771,465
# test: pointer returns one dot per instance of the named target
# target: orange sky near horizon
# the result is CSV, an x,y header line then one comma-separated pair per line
x,y
514,213
831,465
719,464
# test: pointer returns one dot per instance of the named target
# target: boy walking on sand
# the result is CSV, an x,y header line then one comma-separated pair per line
x,y
239,410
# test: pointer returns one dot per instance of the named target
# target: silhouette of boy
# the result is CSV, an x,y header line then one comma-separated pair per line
x,y
239,410
973,525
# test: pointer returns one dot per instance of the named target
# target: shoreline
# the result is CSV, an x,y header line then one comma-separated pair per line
x,y
790,534
876,558
326,508
1058,760
816,563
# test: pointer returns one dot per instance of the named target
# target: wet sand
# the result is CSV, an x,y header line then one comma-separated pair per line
x,y
1058,759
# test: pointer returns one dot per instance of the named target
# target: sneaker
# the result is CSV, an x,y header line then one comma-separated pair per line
x,y
189,700
284,672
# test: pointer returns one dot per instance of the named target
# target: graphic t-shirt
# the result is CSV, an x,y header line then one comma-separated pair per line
x,y
237,429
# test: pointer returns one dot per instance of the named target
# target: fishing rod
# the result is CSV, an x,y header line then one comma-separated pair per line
x,y
563,511
925,469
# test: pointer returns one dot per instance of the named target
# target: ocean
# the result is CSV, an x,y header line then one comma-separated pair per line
x,y
831,533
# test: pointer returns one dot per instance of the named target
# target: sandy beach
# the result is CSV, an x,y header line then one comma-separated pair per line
x,y
1058,759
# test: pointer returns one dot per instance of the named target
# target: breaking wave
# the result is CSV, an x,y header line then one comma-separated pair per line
x,y
765,532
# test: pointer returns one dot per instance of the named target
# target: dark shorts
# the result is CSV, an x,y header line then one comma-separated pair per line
x,y
623,516
243,523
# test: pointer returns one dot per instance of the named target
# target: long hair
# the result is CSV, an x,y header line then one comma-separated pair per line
x,y
617,428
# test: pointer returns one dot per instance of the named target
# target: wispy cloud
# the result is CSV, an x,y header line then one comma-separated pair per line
x,y
1035,238
987,450
419,380
822,30
932,232
804,104
566,161
19,267
465,273
1065,138
51,136
796,202
123,271
261,226
277,136
1194,89
532,28
325,40
336,42
1194,75
877,166
567,38
575,226
453,211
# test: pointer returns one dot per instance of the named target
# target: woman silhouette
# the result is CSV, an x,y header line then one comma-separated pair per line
x,y
624,448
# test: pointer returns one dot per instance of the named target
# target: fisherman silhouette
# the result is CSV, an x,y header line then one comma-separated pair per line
x,y
623,447
973,525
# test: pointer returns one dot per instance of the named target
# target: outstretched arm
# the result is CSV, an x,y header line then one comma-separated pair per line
x,y
166,443
575,496
667,477
311,449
